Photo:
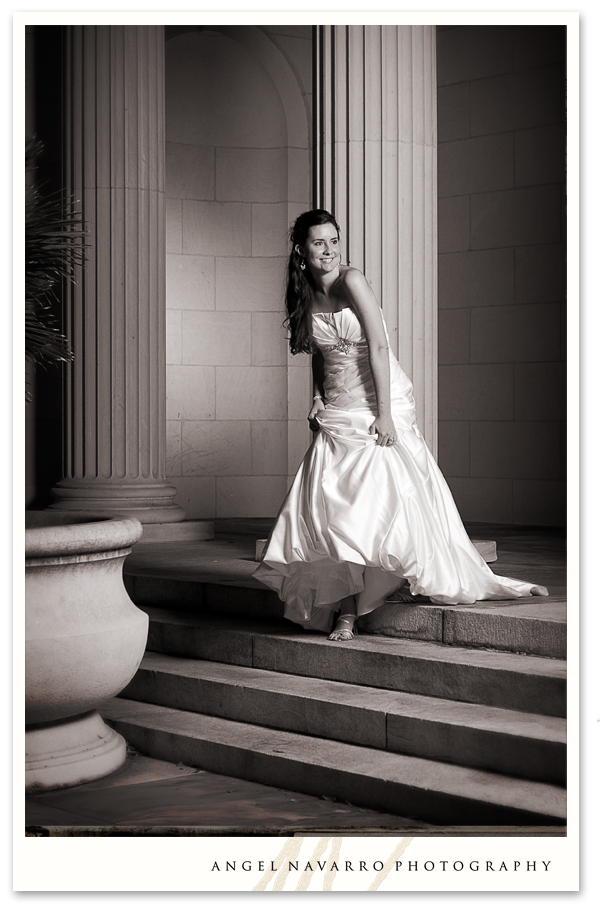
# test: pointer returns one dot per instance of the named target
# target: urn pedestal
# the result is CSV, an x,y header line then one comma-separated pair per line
x,y
84,642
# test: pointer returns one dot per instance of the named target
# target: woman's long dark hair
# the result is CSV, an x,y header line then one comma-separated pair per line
x,y
300,289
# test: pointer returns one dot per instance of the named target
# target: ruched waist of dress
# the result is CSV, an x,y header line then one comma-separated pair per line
x,y
351,426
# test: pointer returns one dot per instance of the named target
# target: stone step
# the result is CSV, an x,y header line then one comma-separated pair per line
x,y
507,742
528,683
226,587
412,787
532,626
190,530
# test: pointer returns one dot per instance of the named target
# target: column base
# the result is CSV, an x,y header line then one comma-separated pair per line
x,y
151,502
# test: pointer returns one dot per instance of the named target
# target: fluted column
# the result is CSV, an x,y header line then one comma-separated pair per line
x,y
115,390
376,170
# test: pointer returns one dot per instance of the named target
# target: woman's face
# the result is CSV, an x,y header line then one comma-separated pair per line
x,y
322,249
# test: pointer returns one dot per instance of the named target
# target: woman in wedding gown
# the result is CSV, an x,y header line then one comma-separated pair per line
x,y
369,511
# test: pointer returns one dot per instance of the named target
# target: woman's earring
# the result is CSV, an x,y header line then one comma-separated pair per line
x,y
303,265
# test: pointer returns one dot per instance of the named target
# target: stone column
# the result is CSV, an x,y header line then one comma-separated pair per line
x,y
376,170
115,391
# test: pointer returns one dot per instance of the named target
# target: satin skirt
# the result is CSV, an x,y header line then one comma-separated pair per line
x,y
362,519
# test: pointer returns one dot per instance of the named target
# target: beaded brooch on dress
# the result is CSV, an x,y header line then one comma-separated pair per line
x,y
344,346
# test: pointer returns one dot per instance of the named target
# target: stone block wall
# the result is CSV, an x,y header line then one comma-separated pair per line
x,y
502,271
236,400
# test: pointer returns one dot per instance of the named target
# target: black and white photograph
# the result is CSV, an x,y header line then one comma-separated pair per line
x,y
295,442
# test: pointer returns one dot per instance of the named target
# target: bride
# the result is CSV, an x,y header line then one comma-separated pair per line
x,y
369,511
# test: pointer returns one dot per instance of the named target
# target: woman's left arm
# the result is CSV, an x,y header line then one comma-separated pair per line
x,y
363,301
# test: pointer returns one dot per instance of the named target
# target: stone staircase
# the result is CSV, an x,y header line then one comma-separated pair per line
x,y
453,716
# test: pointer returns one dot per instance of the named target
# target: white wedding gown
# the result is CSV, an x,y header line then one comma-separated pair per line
x,y
361,518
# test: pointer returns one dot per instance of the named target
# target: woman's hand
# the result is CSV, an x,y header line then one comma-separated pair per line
x,y
385,430
312,422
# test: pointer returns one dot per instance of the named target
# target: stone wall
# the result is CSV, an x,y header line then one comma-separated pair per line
x,y
238,170
502,271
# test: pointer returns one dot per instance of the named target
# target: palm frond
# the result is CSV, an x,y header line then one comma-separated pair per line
x,y
54,248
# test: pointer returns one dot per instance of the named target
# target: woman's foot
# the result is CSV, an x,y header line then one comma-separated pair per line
x,y
402,594
540,590
344,628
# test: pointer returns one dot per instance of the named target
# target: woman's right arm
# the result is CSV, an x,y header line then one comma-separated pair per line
x,y
360,294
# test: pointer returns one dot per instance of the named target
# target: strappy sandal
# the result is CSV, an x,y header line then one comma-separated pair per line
x,y
344,628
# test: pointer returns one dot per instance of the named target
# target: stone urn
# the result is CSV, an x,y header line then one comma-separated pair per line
x,y
84,642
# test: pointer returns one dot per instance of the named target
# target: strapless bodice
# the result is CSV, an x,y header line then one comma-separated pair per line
x,y
339,332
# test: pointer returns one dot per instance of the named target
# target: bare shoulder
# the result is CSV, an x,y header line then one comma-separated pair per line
x,y
352,277
354,282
